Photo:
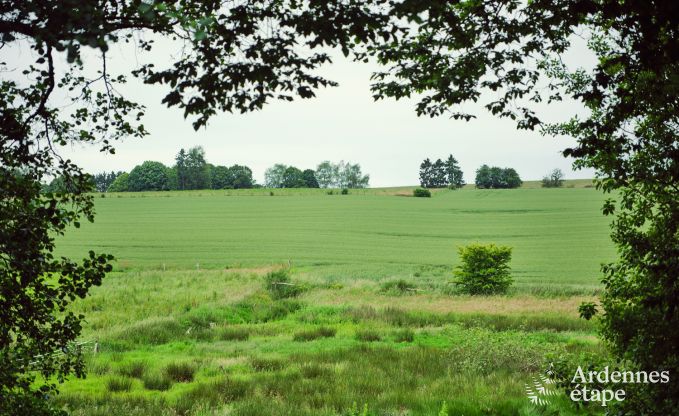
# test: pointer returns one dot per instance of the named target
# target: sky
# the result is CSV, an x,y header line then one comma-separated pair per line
x,y
386,137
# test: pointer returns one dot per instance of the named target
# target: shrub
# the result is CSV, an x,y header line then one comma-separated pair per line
x,y
368,335
345,191
312,334
484,269
116,384
180,372
279,286
397,287
160,382
421,193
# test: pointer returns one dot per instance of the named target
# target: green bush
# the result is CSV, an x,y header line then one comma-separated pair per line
x,y
312,334
279,286
484,269
345,191
421,193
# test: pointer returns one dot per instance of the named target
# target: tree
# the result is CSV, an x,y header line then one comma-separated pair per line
x,y
293,178
195,170
220,178
326,174
149,176
454,174
483,178
350,176
180,168
236,57
309,177
274,176
497,178
553,180
240,177
103,180
120,184
628,133
438,174
426,180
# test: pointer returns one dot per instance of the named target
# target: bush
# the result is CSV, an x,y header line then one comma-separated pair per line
x,y
421,193
279,286
484,269
182,372
345,191
312,334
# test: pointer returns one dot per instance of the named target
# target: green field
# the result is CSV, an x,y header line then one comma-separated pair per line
x,y
185,325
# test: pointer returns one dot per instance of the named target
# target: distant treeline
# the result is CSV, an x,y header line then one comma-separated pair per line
x,y
191,171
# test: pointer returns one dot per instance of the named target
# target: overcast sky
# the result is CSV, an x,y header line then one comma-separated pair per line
x,y
386,137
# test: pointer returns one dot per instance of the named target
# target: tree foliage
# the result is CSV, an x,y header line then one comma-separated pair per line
x,y
237,56
497,178
150,176
628,133
484,269
441,174
553,180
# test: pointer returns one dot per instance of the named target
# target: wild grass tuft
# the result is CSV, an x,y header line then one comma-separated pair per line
x,y
134,369
180,372
368,335
398,287
234,334
316,333
266,364
119,384
157,381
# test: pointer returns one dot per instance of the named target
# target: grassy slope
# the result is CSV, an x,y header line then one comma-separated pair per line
x,y
240,345
355,235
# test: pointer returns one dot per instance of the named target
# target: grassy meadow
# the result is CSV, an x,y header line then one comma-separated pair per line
x,y
186,326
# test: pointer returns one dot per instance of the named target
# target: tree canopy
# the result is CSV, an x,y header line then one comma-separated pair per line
x,y
240,55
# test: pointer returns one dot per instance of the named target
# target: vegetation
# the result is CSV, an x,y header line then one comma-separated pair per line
x,y
497,178
628,134
441,174
553,180
421,193
484,269
196,339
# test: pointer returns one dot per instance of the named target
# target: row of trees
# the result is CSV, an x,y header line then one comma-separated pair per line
x,y
192,171
497,178
441,174
327,175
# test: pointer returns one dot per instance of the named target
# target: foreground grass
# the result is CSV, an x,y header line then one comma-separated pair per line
x,y
215,342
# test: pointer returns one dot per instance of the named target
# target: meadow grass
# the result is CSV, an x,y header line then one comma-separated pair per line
x,y
189,323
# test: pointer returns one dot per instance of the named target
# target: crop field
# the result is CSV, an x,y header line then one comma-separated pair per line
x,y
186,324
